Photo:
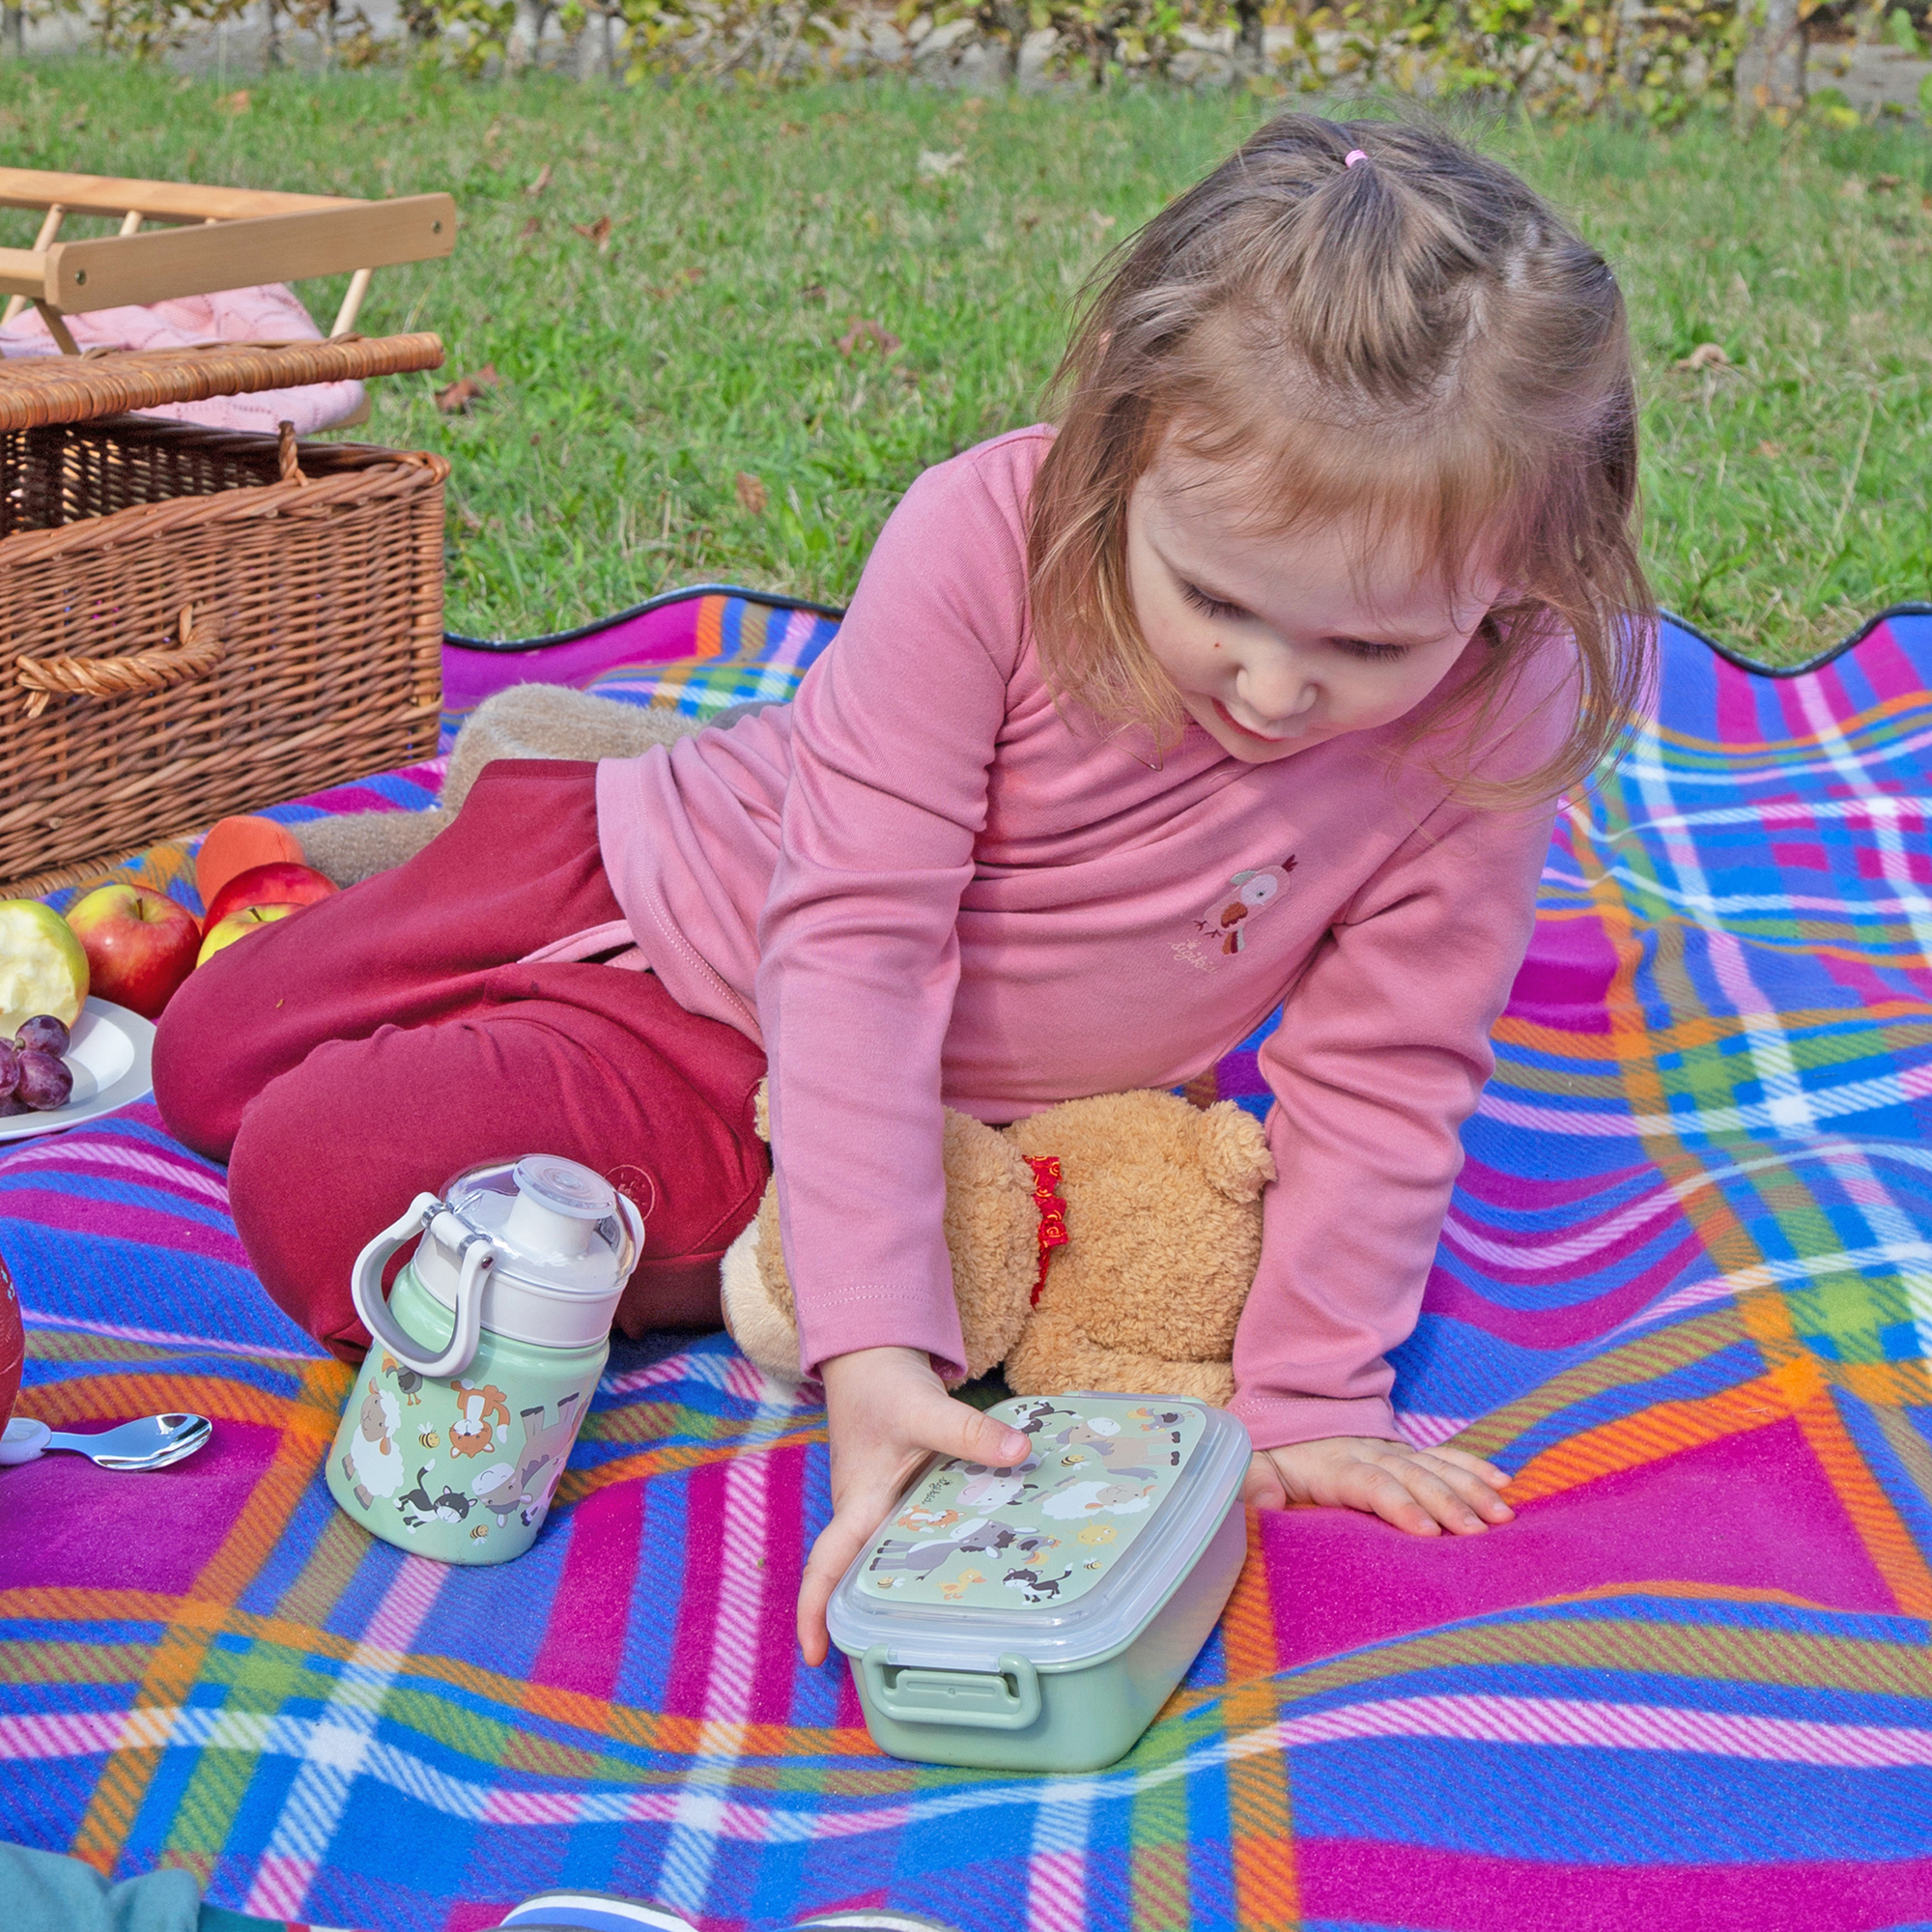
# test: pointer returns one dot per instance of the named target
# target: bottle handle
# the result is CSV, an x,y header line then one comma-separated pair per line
x,y
372,1305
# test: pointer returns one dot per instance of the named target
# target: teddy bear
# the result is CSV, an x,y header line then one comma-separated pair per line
x,y
1105,1244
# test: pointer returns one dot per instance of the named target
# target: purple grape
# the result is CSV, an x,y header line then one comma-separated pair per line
x,y
44,1034
12,1103
45,1081
9,1069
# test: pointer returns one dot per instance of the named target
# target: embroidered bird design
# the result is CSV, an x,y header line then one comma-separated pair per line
x,y
1254,892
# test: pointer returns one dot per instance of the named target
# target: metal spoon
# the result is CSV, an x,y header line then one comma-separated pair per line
x,y
152,1443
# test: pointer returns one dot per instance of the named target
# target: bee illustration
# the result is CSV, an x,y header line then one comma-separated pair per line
x,y
429,1438
477,1534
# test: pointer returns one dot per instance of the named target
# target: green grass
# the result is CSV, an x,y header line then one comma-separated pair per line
x,y
1788,495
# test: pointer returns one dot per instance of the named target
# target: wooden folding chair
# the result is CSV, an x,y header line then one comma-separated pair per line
x,y
205,238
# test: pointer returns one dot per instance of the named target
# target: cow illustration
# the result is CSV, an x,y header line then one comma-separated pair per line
x,y
983,1538
522,1489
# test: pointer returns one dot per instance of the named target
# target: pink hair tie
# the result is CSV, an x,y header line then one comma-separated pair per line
x,y
1353,155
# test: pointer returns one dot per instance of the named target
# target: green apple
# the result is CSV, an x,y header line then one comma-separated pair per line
x,y
42,969
225,932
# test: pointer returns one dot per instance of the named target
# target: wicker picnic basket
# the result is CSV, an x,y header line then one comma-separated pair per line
x,y
196,622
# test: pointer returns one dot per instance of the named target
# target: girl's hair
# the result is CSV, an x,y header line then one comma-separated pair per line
x,y
1417,341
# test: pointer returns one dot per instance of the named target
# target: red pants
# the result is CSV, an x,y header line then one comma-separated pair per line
x,y
381,1042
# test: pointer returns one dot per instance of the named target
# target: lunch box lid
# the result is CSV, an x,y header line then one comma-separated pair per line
x,y
1060,1559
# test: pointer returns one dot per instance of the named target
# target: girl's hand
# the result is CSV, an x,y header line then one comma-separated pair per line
x,y
887,1411
1422,1490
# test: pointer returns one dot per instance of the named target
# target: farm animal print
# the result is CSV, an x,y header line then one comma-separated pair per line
x,y
469,1468
1045,1531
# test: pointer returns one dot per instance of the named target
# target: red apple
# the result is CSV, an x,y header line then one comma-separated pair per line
x,y
140,945
276,884
238,924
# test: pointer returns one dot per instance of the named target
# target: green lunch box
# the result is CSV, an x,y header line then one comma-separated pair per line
x,y
1037,1618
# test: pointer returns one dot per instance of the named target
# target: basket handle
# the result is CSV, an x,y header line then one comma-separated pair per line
x,y
137,675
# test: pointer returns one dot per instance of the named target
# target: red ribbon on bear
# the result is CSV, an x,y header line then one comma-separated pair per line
x,y
1052,1212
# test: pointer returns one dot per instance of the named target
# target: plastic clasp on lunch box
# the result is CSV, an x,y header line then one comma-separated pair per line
x,y
1006,1699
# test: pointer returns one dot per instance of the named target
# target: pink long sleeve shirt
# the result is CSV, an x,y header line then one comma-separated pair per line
x,y
922,883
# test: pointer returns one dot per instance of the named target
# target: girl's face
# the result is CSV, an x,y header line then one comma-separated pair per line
x,y
1279,643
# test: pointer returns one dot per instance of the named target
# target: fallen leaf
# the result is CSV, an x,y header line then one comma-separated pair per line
x,y
1102,222
792,126
529,228
1771,451
692,274
237,103
1884,183
466,389
932,164
864,329
1706,355
598,231
813,292
1852,189
541,182
751,494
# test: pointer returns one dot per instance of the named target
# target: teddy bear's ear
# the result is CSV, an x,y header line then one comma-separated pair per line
x,y
761,1110
1234,1158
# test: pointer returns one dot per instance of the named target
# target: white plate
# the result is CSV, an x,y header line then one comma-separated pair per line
x,y
110,1056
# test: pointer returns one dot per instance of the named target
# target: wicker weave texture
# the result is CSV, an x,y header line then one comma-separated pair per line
x,y
74,388
257,639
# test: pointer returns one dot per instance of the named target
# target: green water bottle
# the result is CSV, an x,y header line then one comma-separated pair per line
x,y
483,1356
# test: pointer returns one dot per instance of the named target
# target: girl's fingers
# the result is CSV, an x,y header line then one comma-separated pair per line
x,y
1263,1487
1379,1488
832,1554
932,1422
953,1428
1473,1488
1497,1478
1438,1498
860,1512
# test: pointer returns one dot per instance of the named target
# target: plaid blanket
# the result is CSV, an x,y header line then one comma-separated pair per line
x,y
1685,1295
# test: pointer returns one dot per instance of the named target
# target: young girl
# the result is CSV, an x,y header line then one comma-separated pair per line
x,y
1252,681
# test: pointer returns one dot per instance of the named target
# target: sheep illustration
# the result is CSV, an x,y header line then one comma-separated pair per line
x,y
1091,1498
374,1464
